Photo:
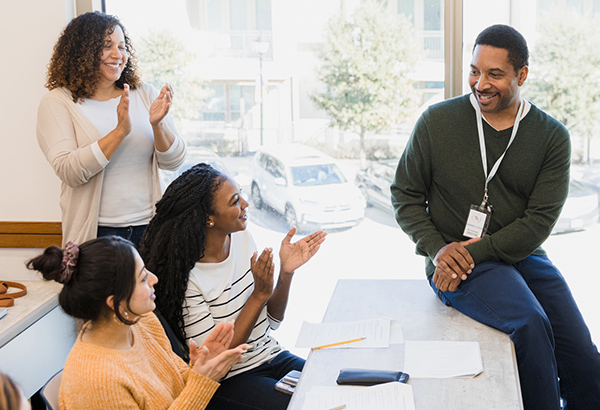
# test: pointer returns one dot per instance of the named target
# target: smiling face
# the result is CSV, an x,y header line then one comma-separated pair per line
x,y
142,298
229,208
494,82
114,57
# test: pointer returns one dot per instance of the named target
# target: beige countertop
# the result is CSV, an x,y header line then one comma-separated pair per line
x,y
422,316
41,298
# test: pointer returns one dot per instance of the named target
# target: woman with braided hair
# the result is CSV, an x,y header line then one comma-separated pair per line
x,y
210,273
122,358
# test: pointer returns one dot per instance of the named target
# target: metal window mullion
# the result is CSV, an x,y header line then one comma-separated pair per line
x,y
84,6
453,41
227,103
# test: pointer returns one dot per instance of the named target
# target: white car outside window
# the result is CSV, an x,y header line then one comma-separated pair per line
x,y
305,186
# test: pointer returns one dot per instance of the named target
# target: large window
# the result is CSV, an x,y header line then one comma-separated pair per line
x,y
268,68
227,102
234,25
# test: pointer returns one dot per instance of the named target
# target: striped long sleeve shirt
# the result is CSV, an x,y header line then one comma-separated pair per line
x,y
217,292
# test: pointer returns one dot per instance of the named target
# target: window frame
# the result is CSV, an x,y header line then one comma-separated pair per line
x,y
453,48
453,41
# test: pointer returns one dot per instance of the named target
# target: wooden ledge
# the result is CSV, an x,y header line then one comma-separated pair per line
x,y
30,234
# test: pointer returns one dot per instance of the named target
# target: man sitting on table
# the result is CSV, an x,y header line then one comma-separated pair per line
x,y
487,148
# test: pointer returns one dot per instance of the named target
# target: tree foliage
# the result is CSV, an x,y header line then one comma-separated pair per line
x,y
365,65
164,59
565,75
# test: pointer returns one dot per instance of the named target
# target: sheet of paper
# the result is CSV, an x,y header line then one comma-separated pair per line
x,y
375,331
442,359
396,334
387,396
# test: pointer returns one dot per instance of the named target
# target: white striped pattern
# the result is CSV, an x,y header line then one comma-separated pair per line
x,y
217,293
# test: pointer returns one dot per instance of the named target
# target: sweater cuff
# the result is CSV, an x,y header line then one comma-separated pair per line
x,y
100,157
433,247
477,251
174,147
200,390
172,158
274,323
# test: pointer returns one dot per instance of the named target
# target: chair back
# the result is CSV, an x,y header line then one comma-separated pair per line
x,y
175,343
49,392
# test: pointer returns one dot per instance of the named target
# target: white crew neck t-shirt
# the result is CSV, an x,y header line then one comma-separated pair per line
x,y
126,197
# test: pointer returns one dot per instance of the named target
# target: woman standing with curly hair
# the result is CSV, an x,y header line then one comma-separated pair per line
x,y
105,132
210,272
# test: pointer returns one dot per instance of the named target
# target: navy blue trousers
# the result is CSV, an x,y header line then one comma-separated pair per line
x,y
255,389
131,233
532,303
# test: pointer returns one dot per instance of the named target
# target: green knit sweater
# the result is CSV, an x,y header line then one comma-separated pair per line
x,y
440,175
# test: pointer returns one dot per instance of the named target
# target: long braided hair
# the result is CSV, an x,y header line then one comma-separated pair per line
x,y
175,239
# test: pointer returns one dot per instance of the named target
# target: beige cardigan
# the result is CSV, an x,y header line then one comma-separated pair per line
x,y
65,136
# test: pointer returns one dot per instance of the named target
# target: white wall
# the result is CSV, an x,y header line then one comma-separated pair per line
x,y
29,189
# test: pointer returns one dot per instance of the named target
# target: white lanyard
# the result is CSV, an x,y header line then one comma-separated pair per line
x,y
483,150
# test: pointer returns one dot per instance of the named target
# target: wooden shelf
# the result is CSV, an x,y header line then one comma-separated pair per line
x,y
30,234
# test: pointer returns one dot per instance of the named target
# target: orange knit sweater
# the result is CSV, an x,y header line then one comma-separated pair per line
x,y
148,376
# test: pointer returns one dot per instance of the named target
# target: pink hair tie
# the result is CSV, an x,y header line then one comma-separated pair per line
x,y
69,262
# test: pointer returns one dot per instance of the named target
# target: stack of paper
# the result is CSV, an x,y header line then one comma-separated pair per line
x,y
439,359
387,396
375,333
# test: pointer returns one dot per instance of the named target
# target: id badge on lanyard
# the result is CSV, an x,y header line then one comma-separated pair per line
x,y
479,217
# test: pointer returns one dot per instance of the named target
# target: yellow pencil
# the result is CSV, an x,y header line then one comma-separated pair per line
x,y
339,343
343,406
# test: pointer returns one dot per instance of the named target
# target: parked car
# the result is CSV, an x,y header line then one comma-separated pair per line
x,y
306,186
374,183
580,211
196,155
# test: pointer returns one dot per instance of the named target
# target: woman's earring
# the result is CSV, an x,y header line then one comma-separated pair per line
x,y
211,223
116,319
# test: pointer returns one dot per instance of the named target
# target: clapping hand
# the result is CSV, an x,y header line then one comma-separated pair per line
x,y
294,255
262,270
124,121
219,339
160,107
213,359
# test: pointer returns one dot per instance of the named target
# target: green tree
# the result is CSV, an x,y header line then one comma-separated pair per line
x,y
565,72
366,63
164,59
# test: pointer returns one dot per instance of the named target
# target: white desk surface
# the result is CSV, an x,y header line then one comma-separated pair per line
x,y
35,336
423,317
41,298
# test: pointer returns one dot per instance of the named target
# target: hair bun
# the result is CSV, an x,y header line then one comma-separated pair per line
x,y
48,263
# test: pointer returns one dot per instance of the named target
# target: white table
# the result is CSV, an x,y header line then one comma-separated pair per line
x,y
35,336
423,317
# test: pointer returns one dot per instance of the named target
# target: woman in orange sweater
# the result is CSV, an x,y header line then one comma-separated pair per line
x,y
122,357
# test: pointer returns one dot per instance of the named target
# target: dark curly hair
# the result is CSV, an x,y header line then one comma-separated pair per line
x,y
75,62
176,236
506,37
105,267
